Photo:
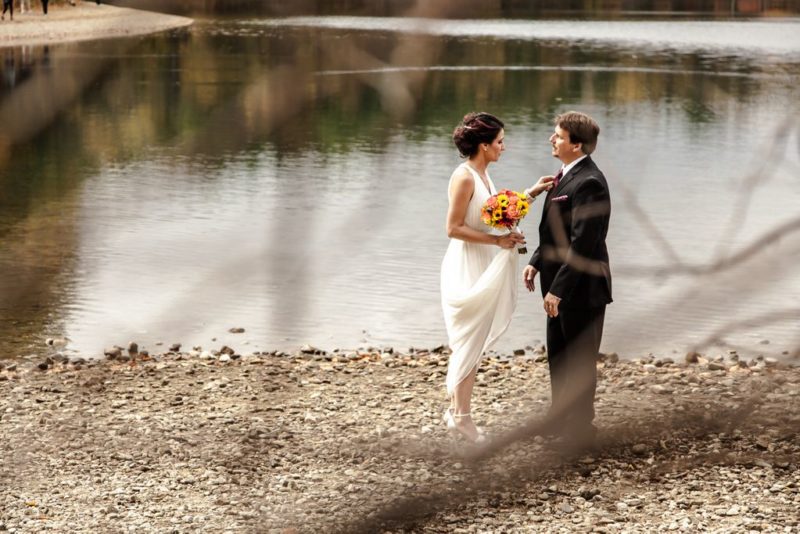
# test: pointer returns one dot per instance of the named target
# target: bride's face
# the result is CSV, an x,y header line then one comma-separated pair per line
x,y
496,147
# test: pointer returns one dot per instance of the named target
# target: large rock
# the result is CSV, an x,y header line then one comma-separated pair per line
x,y
308,349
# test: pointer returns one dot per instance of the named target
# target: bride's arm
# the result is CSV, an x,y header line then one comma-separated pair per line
x,y
545,183
462,186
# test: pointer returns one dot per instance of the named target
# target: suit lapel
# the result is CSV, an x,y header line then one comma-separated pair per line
x,y
568,177
561,184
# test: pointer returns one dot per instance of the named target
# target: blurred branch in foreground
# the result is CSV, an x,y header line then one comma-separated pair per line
x,y
490,474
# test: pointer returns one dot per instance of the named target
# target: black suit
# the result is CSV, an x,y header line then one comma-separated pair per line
x,y
572,260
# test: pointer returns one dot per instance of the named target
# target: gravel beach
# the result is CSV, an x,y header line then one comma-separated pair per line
x,y
85,21
352,441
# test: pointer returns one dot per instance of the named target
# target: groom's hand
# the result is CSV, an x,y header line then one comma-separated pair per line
x,y
551,305
527,277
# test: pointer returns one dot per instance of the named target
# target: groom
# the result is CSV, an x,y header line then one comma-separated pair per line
x,y
572,259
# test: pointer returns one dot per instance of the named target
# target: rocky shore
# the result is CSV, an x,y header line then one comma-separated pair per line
x,y
351,441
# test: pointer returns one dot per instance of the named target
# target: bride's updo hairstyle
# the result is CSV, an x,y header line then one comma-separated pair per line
x,y
476,128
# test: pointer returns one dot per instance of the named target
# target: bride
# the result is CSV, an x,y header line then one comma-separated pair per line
x,y
479,284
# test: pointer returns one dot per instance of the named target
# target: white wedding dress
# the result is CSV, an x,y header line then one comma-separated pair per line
x,y
479,290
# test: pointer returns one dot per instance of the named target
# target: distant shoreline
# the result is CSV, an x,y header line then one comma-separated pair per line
x,y
86,21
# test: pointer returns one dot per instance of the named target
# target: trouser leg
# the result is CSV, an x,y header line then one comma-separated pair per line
x,y
573,342
555,361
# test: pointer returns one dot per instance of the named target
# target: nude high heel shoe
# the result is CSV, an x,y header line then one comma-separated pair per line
x,y
450,420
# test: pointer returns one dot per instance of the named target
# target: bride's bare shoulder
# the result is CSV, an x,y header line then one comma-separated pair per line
x,y
461,183
460,174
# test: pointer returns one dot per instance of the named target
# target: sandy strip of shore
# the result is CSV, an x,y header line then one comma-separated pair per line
x,y
86,21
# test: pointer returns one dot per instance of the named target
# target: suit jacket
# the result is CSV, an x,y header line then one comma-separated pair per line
x,y
572,257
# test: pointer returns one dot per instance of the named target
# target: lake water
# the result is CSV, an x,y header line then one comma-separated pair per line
x,y
289,176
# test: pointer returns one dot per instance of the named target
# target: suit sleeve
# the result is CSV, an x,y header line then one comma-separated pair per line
x,y
536,259
590,205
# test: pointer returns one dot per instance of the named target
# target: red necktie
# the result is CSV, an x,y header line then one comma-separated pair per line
x,y
558,177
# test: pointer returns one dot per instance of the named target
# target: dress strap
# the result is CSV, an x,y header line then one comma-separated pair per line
x,y
476,176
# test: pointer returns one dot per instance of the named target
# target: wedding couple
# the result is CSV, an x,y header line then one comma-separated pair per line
x,y
479,282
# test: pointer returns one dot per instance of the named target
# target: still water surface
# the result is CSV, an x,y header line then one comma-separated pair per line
x,y
289,176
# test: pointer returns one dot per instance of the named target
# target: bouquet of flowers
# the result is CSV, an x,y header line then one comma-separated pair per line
x,y
505,210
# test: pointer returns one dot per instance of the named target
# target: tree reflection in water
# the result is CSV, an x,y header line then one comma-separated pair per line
x,y
222,89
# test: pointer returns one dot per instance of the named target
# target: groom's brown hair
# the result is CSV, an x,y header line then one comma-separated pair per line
x,y
581,128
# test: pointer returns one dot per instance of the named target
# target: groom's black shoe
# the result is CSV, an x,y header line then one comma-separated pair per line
x,y
584,435
574,440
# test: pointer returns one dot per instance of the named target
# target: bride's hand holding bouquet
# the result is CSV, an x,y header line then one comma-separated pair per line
x,y
505,210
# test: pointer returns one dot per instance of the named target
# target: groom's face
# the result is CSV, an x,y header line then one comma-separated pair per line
x,y
563,149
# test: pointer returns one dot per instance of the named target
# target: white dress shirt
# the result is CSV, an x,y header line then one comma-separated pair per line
x,y
566,168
